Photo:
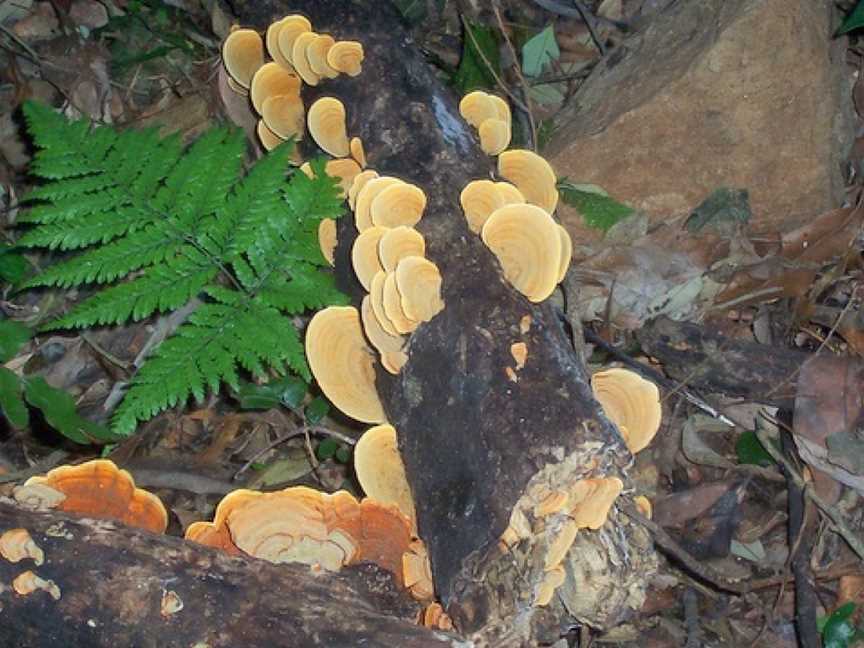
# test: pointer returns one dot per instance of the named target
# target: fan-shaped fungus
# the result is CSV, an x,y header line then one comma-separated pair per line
x,y
100,489
419,284
269,139
476,107
519,351
28,582
591,499
561,544
16,545
393,306
300,58
317,55
398,204
342,363
243,54
566,252
272,80
545,590
368,193
398,243
360,181
502,108
631,402
357,151
376,297
327,239
393,361
380,470
532,175
284,115
347,57
271,39
509,194
327,126
291,27
494,136
364,255
479,199
526,241
643,505
387,345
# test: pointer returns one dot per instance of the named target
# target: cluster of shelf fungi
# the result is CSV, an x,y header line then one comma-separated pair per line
x,y
495,481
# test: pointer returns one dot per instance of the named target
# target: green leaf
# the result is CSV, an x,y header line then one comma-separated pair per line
x,y
838,629
538,51
13,266
59,410
343,454
12,405
750,450
288,391
598,210
326,449
316,410
473,72
854,20
12,337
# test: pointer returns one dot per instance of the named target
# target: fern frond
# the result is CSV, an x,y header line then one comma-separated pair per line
x,y
204,352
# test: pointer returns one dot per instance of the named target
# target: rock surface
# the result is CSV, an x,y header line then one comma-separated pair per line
x,y
739,93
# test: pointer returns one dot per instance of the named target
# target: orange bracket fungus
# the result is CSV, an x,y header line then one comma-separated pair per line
x,y
376,298
527,243
271,40
393,306
100,489
631,402
393,358
357,151
342,363
490,115
364,255
16,545
290,28
269,139
326,120
418,282
284,115
380,470
300,58
398,204
398,243
366,195
346,57
243,54
28,582
327,239
317,55
272,80
532,175
357,185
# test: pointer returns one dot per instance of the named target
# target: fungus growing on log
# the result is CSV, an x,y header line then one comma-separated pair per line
x,y
327,239
476,107
360,181
393,306
269,139
271,39
398,243
28,582
327,126
376,298
17,545
272,80
532,175
566,252
509,193
357,151
393,358
631,402
644,506
291,27
381,472
316,53
526,242
419,284
364,255
490,115
342,363
346,57
399,204
494,136
284,115
100,489
366,195
479,199
344,169
300,58
243,54
591,499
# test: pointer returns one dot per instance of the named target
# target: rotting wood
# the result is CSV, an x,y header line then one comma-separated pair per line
x,y
474,440
122,587
709,361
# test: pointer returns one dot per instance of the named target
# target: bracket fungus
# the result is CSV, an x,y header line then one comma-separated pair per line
x,y
284,115
326,120
272,80
357,151
17,545
271,40
327,239
242,55
346,57
509,193
400,203
342,363
344,169
566,252
532,175
418,282
360,181
393,306
316,53
480,198
300,58
290,28
526,242
591,499
269,139
100,489
490,115
364,255
366,194
398,243
393,358
381,472
476,107
631,402
29,582
494,136
376,298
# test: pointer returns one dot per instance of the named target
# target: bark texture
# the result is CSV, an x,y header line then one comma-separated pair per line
x,y
477,444
118,585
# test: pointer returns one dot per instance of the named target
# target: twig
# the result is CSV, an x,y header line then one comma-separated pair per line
x,y
302,432
526,90
830,512
40,466
563,10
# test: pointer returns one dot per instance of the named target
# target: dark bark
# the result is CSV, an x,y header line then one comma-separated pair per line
x,y
709,361
112,581
472,440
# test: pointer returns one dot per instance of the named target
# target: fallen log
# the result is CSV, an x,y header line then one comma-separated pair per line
x,y
118,586
483,442
708,361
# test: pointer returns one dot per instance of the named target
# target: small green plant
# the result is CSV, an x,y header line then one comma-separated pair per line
x,y
181,224
855,19
599,210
